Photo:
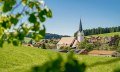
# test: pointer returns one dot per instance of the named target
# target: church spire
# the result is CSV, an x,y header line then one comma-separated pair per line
x,y
80,26
80,33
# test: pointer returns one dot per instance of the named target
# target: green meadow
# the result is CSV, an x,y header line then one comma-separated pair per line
x,y
107,34
22,59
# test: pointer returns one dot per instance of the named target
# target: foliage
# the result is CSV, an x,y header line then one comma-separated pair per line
x,y
118,49
100,30
35,13
65,48
114,43
59,65
30,42
85,45
50,46
43,46
104,47
97,45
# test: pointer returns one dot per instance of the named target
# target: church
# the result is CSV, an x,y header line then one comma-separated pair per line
x,y
72,41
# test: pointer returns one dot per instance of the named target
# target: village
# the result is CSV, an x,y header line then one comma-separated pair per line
x,y
80,44
59,35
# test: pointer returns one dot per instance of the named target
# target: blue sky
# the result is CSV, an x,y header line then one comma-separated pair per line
x,y
93,13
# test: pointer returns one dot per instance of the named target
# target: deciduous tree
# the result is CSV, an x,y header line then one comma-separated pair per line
x,y
35,12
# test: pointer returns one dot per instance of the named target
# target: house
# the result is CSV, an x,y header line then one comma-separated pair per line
x,y
72,41
102,40
66,41
103,53
107,39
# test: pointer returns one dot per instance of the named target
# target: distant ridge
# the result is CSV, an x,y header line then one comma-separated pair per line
x,y
49,35
54,36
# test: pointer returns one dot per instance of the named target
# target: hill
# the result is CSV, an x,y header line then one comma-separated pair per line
x,y
107,34
21,59
48,35
55,36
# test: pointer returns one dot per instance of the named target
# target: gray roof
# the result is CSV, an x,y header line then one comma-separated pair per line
x,y
80,26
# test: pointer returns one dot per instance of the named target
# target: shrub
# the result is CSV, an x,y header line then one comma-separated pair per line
x,y
59,65
85,45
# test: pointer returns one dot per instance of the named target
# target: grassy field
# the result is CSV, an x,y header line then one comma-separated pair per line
x,y
107,34
21,59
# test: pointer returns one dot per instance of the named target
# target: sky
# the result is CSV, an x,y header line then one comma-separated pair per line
x,y
93,13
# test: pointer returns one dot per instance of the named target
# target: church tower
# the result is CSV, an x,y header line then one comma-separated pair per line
x,y
80,33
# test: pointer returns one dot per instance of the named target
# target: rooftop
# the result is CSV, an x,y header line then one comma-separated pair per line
x,y
66,40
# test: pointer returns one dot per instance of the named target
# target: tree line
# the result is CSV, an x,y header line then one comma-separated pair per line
x,y
101,30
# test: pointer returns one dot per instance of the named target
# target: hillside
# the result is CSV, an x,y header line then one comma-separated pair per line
x,y
21,59
107,34
49,35
55,36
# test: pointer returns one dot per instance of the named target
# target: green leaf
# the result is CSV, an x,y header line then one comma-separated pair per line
x,y
18,15
24,1
42,32
1,30
42,19
49,14
38,7
31,4
4,24
36,26
32,18
41,16
37,37
1,42
14,20
15,42
21,35
1,0
8,5
25,29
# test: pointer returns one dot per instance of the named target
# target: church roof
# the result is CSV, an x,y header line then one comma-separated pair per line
x,y
66,40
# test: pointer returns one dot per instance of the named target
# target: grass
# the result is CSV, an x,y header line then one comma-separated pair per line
x,y
21,59
107,34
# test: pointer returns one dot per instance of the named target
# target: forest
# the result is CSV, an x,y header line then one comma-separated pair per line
x,y
101,30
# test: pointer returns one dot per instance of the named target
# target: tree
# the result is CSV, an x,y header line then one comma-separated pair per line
x,y
35,13
85,45
100,30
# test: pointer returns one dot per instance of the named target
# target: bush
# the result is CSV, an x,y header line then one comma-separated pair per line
x,y
59,65
85,45
65,48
